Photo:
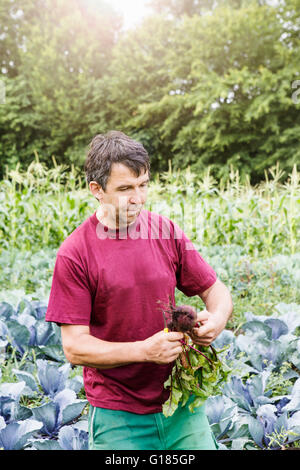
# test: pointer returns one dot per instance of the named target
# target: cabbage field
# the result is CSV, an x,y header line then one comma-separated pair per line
x,y
249,234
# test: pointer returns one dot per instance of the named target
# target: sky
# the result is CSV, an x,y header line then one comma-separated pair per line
x,y
133,10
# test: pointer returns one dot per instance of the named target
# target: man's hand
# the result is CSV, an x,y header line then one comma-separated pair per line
x,y
211,325
162,347
213,320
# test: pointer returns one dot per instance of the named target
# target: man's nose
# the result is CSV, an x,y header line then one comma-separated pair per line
x,y
136,197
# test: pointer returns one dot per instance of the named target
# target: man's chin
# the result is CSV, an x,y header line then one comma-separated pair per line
x,y
129,218
132,216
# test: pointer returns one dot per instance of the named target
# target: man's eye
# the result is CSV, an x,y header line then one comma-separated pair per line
x,y
144,185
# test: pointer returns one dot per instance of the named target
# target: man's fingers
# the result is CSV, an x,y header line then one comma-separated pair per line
x,y
202,316
177,350
202,330
174,336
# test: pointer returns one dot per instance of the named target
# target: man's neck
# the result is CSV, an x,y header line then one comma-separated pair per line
x,y
113,224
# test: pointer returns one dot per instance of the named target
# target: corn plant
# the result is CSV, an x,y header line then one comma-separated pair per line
x,y
41,206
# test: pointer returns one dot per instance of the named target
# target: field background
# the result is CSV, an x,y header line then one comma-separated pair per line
x,y
248,234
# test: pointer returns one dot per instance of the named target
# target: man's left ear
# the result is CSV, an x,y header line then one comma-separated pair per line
x,y
96,190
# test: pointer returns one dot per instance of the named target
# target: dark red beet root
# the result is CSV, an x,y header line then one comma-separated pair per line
x,y
182,318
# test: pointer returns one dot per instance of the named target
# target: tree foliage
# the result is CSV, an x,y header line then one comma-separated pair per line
x,y
179,8
199,82
229,97
49,98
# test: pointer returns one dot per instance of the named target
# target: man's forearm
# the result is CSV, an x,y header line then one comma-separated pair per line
x,y
93,352
213,320
81,348
218,300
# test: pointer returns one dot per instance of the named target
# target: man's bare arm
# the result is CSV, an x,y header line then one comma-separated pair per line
x,y
81,348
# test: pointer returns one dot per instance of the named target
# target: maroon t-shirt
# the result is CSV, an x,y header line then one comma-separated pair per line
x,y
113,280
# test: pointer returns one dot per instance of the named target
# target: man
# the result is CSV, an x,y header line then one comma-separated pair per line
x,y
112,276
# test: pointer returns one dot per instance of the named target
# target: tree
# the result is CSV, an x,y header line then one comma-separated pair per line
x,y
51,101
138,74
205,87
229,95
179,8
14,22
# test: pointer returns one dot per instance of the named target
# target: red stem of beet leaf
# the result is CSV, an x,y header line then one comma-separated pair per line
x,y
197,350
178,376
200,370
214,352
186,353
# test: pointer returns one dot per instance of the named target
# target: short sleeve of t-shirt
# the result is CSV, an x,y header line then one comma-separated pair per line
x,y
70,298
194,274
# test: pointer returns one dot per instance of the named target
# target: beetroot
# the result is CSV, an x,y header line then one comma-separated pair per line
x,y
181,318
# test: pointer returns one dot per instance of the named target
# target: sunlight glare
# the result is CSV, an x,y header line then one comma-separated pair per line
x,y
133,11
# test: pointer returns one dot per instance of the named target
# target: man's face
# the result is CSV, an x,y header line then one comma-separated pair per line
x,y
124,197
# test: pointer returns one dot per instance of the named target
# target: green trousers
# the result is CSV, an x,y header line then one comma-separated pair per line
x,y
121,430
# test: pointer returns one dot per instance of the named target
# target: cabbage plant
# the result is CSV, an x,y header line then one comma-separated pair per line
x,y
253,410
16,435
62,409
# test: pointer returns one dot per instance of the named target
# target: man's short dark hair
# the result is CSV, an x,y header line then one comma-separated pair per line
x,y
114,147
